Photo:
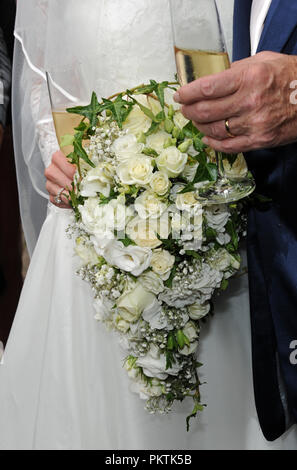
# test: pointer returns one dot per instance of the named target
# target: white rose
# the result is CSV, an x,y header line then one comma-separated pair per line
x,y
149,205
180,120
187,202
160,183
126,147
157,140
239,168
144,232
138,170
154,364
131,305
132,259
98,180
162,262
138,122
171,161
198,311
122,325
85,251
151,282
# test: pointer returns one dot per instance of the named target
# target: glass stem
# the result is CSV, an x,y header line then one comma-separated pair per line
x,y
219,161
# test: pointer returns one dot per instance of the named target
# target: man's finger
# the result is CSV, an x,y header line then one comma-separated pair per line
x,y
211,111
235,145
208,88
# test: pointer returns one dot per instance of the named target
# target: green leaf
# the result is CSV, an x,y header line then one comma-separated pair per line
x,y
193,254
80,151
224,284
90,111
197,407
180,337
149,152
147,111
160,92
230,228
154,127
127,241
190,131
66,140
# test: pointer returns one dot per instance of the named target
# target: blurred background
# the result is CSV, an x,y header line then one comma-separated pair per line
x,y
10,228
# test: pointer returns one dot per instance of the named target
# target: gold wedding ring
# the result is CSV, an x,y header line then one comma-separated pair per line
x,y
227,127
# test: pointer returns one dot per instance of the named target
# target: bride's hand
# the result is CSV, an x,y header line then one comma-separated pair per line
x,y
59,175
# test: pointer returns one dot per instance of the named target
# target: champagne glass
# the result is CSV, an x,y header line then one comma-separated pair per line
x,y
200,50
67,88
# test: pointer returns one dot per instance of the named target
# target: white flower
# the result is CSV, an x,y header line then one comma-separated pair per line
x,y
132,259
103,308
138,170
154,364
190,170
149,205
171,161
95,218
239,168
126,147
201,289
188,350
144,389
122,325
85,251
162,262
187,202
217,216
180,120
157,140
144,232
198,311
160,183
131,305
190,331
98,180
151,282
138,122
153,315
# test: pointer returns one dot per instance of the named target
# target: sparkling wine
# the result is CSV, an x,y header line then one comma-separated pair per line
x,y
192,64
65,124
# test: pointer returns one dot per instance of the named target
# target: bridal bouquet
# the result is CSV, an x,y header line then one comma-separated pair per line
x,y
152,254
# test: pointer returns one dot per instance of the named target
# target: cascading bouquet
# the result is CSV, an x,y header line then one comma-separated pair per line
x,y
152,254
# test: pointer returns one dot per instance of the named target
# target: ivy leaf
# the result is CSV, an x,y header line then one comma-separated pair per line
x,y
230,228
147,111
160,92
90,111
127,241
197,407
190,131
80,151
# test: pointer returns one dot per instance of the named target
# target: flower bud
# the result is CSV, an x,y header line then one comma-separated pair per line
x,y
184,146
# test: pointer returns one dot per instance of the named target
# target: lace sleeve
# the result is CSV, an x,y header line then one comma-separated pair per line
x,y
46,135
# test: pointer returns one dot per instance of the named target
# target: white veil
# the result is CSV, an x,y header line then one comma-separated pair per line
x,y
55,35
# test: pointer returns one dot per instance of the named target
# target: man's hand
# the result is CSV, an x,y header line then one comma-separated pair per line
x,y
1,135
59,175
254,96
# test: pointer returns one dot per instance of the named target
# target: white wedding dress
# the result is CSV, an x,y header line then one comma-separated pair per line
x,y
62,385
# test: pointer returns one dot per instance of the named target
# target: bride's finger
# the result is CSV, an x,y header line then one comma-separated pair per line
x,y
53,190
58,177
63,164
